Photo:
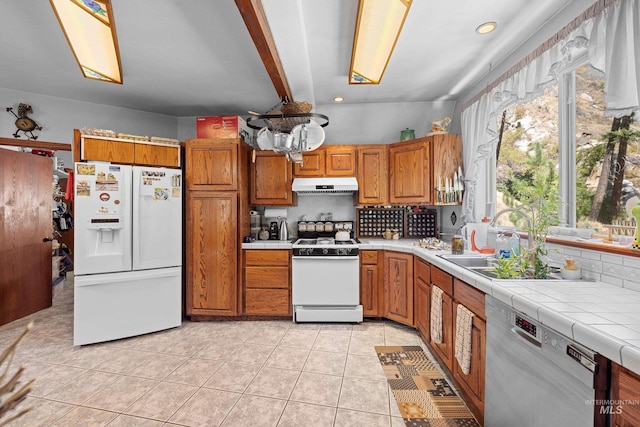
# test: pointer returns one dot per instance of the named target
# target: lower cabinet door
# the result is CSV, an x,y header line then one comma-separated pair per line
x,y
445,348
369,290
398,287
270,302
422,309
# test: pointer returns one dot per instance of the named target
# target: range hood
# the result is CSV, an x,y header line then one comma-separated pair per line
x,y
335,186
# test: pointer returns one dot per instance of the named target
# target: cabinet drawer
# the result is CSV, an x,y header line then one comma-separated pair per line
x,y
368,257
470,297
423,270
266,257
266,277
442,280
274,302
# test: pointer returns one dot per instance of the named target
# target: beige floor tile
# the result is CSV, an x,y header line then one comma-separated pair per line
x,y
394,410
162,401
318,389
252,354
367,367
123,420
347,418
331,342
298,414
324,362
220,349
287,358
91,356
206,408
337,327
43,412
159,366
83,387
120,394
365,344
364,395
195,371
233,377
272,382
126,361
254,411
84,417
299,338
49,377
397,422
267,335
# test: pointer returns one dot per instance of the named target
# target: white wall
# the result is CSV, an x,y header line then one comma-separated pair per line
x,y
60,116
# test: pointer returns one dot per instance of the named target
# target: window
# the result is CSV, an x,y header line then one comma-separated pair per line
x,y
561,142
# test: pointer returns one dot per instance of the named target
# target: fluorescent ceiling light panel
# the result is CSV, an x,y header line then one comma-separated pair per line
x,y
90,30
377,30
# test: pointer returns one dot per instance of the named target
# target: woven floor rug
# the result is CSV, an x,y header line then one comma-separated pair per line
x,y
424,396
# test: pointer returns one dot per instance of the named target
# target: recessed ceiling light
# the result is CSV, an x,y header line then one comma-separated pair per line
x,y
487,27
338,99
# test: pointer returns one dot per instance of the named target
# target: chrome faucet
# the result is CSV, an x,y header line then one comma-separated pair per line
x,y
527,217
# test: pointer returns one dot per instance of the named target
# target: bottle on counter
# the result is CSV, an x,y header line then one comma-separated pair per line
x,y
514,242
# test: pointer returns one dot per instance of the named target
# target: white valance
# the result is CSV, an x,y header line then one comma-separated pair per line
x,y
611,39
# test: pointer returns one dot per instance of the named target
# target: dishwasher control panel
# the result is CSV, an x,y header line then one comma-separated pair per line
x,y
526,326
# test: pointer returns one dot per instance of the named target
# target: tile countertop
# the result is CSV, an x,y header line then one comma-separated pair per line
x,y
598,315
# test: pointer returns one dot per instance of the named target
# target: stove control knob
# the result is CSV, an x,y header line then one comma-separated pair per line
x,y
325,251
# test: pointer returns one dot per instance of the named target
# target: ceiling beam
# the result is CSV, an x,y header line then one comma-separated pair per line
x,y
256,22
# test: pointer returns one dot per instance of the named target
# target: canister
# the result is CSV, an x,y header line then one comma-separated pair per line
x,y
457,245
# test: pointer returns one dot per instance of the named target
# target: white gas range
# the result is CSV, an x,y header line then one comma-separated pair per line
x,y
326,280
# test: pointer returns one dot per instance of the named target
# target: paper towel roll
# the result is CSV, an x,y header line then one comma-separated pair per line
x,y
275,212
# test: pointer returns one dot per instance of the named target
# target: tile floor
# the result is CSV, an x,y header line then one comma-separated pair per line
x,y
269,373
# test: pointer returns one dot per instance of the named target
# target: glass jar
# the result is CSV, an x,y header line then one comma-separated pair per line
x,y
264,233
457,245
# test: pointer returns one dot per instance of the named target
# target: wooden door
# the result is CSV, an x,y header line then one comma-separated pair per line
x,y
25,212
422,306
370,277
625,389
312,164
211,164
373,175
446,158
271,178
212,253
340,160
398,287
409,180
107,150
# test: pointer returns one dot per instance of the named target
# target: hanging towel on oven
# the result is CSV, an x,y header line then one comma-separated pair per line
x,y
464,324
436,314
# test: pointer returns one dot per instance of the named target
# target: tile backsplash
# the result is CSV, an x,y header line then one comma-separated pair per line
x,y
618,270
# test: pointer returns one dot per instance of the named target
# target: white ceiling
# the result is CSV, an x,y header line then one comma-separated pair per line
x,y
195,57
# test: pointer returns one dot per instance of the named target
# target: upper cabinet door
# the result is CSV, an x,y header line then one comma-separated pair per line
x,y
340,161
105,150
312,164
211,164
157,155
271,178
373,175
410,173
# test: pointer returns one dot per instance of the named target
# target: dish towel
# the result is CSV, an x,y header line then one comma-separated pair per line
x,y
436,314
464,324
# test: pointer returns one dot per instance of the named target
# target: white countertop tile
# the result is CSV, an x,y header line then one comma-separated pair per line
x,y
525,305
599,341
631,357
619,331
620,318
556,321
590,319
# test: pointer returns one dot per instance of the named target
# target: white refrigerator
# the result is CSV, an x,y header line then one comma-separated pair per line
x,y
127,251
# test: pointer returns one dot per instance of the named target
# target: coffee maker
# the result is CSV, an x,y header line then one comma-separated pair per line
x,y
273,216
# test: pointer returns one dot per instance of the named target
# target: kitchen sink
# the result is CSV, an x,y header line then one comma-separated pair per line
x,y
469,261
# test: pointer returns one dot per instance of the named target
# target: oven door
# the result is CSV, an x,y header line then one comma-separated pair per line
x,y
325,281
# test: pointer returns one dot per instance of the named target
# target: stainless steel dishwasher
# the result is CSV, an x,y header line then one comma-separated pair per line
x,y
537,377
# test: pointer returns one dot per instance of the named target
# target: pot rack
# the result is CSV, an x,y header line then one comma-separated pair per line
x,y
281,122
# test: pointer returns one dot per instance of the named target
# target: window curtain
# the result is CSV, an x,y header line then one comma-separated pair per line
x,y
609,32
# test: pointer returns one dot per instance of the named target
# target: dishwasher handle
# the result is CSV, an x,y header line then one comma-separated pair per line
x,y
523,335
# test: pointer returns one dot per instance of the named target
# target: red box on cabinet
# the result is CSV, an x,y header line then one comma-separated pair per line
x,y
222,127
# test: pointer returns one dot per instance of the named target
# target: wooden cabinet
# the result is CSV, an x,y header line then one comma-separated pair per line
x,y
422,297
212,257
217,203
331,160
473,382
267,282
398,287
125,151
444,349
373,175
370,282
625,386
410,173
212,165
446,155
271,176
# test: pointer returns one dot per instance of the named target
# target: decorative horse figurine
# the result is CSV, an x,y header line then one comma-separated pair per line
x,y
440,125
